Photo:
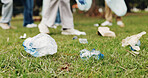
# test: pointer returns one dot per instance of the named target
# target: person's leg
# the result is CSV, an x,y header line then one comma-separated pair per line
x,y
67,19
66,14
28,12
108,16
49,15
7,10
58,18
119,21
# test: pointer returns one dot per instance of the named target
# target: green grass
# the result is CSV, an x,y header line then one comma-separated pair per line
x,y
116,63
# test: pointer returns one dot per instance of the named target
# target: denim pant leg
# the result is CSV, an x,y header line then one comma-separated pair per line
x,y
7,10
28,11
58,18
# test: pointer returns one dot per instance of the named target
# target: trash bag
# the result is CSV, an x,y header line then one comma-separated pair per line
x,y
86,6
40,45
117,6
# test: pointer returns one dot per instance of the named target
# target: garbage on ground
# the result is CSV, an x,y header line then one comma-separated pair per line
x,y
133,41
75,37
40,45
8,39
138,44
24,36
117,6
86,54
105,31
83,41
84,6
96,25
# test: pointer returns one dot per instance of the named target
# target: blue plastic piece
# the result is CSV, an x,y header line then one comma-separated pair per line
x,y
82,2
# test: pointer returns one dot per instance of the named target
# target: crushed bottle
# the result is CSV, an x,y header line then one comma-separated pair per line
x,y
86,54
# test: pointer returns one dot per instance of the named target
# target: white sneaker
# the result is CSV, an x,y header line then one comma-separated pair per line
x,y
43,28
106,23
120,23
72,32
31,25
4,26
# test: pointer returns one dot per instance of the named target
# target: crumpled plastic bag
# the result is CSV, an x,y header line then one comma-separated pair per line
x,y
117,6
105,31
86,6
40,45
133,40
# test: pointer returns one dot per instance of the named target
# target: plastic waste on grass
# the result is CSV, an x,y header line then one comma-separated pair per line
x,y
133,41
105,31
84,6
83,41
24,36
86,54
40,45
117,6
75,37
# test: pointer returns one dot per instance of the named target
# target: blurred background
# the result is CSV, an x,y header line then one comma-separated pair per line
x,y
97,8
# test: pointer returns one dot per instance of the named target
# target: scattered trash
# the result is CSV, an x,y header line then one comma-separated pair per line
x,y
8,39
84,6
96,25
24,36
133,41
75,37
83,41
105,31
86,54
40,45
138,44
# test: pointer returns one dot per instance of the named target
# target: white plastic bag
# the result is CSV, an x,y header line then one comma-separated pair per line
x,y
117,6
86,6
40,45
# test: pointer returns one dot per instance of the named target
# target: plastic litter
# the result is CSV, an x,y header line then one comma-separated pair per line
x,y
96,25
83,41
40,45
105,31
86,54
24,36
133,41
117,6
84,6
75,37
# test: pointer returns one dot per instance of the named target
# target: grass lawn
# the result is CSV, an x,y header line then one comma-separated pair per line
x,y
67,62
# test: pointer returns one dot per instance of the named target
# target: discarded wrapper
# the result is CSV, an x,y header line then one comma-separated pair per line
x,y
133,40
105,31
96,25
24,36
83,41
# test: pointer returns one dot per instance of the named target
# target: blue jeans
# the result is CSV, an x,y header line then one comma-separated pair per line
x,y
28,11
58,18
7,10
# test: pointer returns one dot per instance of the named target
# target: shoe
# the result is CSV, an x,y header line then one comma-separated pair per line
x,y
4,26
43,28
72,32
31,25
120,23
106,23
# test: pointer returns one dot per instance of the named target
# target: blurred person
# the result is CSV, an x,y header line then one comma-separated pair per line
x,y
58,18
108,17
7,10
49,16
28,13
